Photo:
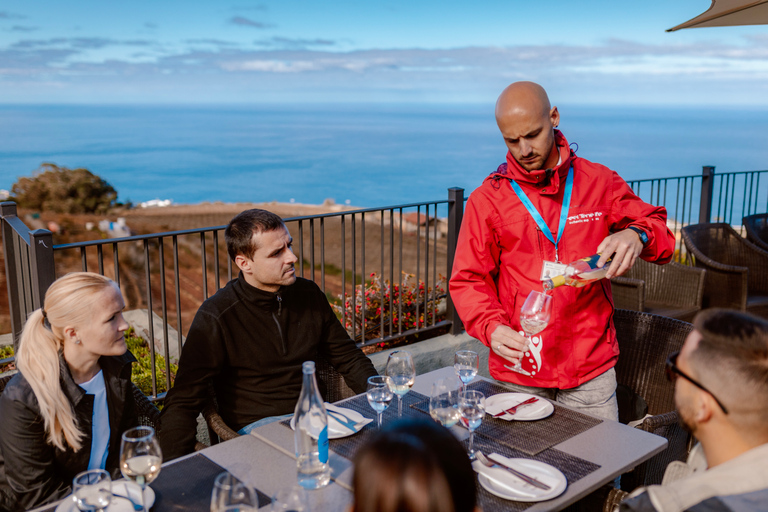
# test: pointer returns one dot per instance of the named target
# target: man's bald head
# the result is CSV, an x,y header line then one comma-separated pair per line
x,y
527,122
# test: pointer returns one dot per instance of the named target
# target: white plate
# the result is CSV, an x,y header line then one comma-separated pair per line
x,y
496,403
335,429
117,504
504,484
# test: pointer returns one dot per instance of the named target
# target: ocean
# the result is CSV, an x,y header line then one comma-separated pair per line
x,y
364,155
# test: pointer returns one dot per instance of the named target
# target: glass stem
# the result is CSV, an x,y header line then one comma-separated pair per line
x,y
379,417
471,441
399,406
143,507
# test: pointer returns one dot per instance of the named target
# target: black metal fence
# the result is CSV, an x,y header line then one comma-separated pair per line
x,y
344,252
337,250
709,197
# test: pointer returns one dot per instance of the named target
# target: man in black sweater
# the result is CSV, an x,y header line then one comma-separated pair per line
x,y
251,338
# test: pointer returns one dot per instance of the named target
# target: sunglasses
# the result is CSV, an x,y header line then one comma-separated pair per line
x,y
673,371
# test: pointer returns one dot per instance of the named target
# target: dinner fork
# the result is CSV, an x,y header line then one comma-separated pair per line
x,y
522,476
513,410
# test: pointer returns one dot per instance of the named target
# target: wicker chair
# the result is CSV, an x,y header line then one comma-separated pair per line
x,y
645,341
737,270
757,229
671,290
332,387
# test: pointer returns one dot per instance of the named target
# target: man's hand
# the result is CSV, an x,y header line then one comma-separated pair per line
x,y
508,344
625,246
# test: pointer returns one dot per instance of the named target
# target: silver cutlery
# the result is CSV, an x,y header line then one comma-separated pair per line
x,y
513,410
522,476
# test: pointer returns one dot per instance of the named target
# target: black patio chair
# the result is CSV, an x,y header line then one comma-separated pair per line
x,y
331,384
757,229
737,270
645,341
671,290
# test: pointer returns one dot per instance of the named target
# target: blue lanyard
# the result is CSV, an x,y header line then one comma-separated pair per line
x,y
537,216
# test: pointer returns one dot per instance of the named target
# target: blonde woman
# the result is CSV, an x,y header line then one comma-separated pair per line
x,y
65,410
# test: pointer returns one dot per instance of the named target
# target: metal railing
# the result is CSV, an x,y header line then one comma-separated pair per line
x,y
710,197
337,250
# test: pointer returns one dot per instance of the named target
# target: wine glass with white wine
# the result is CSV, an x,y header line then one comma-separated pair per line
x,y
534,318
140,457
444,401
402,375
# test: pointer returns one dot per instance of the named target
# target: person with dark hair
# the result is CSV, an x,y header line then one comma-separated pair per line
x,y
414,466
65,410
250,339
721,395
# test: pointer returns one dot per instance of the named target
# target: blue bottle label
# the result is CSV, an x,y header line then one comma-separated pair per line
x,y
322,445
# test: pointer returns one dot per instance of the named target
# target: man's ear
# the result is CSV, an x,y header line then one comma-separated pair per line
x,y
554,117
243,263
705,406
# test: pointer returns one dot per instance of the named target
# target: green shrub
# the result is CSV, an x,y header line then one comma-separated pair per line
x,y
62,190
142,370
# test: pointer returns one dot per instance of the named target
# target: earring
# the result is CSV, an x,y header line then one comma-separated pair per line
x,y
77,342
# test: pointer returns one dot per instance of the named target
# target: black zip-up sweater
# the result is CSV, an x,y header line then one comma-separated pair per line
x,y
251,345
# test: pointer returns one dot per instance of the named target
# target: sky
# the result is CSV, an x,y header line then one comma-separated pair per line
x,y
376,51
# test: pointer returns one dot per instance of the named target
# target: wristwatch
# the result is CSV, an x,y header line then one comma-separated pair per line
x,y
640,233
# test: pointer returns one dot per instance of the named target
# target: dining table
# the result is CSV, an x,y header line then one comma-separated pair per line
x,y
589,451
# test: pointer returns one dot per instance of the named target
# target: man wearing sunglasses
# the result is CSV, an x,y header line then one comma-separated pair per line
x,y
721,395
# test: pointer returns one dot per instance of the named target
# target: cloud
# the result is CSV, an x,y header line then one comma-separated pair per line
x,y
245,22
288,43
213,68
5,15
20,28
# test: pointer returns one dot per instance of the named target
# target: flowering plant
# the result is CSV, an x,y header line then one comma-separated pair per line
x,y
400,302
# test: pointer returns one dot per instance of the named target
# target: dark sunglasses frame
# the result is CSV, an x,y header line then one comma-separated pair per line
x,y
673,371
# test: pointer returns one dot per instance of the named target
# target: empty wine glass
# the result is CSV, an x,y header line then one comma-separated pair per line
x,y
379,394
291,499
402,373
444,401
466,364
92,490
231,495
534,317
140,457
472,408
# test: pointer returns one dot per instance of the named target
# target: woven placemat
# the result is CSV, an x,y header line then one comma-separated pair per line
x,y
530,437
574,469
348,446
187,485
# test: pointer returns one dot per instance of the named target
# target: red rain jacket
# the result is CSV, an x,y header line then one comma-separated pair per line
x,y
499,259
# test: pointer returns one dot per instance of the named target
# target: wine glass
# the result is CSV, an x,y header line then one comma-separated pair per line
x,y
534,317
231,495
402,373
379,394
466,364
293,499
472,409
92,490
140,457
444,401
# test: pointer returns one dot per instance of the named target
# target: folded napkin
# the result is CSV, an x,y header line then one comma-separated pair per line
x,y
336,427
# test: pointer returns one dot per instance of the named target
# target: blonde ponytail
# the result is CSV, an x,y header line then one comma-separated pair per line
x,y
69,301
38,361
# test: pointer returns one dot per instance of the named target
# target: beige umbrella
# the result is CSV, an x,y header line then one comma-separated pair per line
x,y
726,13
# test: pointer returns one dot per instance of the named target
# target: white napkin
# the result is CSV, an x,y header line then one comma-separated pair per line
x,y
506,480
335,427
